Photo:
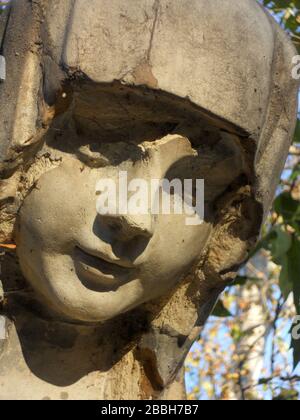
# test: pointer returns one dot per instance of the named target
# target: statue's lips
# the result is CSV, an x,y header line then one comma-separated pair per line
x,y
99,274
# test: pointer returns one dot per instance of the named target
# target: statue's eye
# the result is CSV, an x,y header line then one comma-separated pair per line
x,y
92,156
102,154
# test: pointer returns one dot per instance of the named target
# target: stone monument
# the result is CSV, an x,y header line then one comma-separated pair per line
x,y
98,306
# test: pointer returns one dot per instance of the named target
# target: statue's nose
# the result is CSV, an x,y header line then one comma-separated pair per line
x,y
127,227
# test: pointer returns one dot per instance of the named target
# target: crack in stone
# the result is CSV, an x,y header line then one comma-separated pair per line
x,y
156,12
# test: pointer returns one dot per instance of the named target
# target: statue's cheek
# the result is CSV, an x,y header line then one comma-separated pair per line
x,y
175,248
51,212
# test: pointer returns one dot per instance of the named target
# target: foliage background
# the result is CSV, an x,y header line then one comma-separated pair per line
x,y
246,350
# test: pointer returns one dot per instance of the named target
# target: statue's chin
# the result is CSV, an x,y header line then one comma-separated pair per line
x,y
82,304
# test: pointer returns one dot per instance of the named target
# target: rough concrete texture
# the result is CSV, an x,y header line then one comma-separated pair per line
x,y
216,74
181,48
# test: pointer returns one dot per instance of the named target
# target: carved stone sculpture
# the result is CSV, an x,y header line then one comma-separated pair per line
x,y
107,306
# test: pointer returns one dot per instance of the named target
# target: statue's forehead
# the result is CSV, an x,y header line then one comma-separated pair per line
x,y
217,53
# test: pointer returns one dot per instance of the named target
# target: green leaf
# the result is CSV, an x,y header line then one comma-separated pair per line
x,y
277,241
264,243
295,174
295,256
290,282
285,280
287,395
297,133
295,343
290,274
287,207
296,352
291,24
236,333
280,244
220,311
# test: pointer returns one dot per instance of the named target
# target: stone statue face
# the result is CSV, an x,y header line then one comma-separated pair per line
x,y
92,267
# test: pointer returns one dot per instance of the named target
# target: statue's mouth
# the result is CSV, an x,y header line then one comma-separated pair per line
x,y
97,273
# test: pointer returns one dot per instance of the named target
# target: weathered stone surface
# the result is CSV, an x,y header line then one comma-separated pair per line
x,y
181,48
19,122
